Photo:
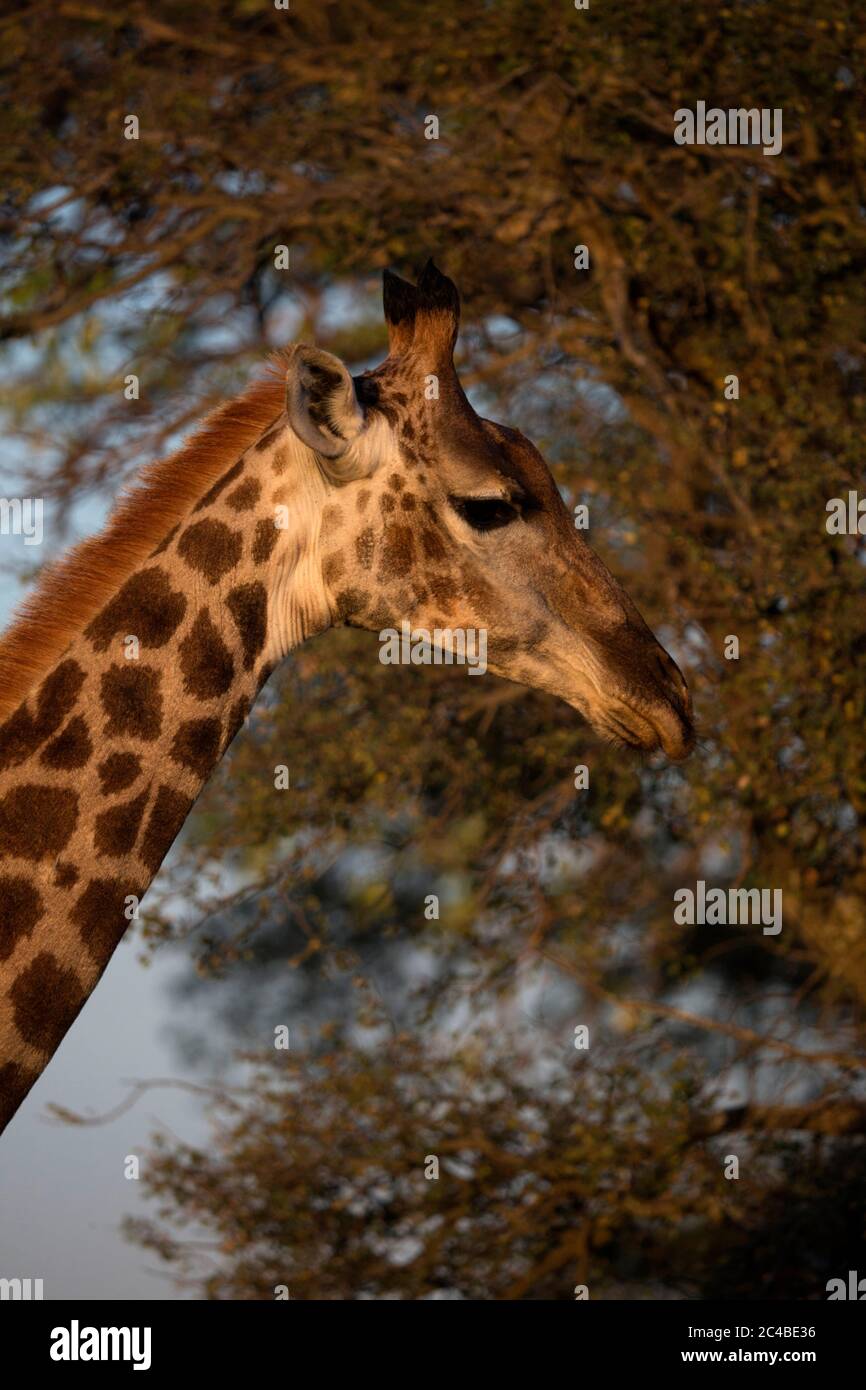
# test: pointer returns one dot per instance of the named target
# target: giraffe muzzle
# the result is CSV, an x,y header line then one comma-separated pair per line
x,y
660,726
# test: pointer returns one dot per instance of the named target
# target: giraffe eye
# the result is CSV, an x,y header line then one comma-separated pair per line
x,y
485,513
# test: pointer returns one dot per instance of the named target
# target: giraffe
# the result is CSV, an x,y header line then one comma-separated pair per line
x,y
312,500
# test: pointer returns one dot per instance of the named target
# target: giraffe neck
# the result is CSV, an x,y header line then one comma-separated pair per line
x,y
102,763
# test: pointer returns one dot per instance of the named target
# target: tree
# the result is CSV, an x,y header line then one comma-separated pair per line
x,y
157,256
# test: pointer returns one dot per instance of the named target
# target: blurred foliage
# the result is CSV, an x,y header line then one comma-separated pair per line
x,y
261,127
607,1177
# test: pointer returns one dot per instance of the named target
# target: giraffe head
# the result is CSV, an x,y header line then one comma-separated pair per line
x,y
441,519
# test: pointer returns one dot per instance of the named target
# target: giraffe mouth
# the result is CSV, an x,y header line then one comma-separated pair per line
x,y
664,727
620,732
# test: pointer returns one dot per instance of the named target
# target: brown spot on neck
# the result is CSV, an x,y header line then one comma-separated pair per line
x,y
20,909
244,497
270,437
265,540
280,461
167,816
165,542
219,486
239,711
196,744
116,829
23,732
70,749
43,1024
118,771
146,607
15,1082
211,548
205,660
248,605
37,821
131,698
100,915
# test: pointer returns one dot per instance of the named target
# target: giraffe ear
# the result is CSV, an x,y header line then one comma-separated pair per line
x,y
321,403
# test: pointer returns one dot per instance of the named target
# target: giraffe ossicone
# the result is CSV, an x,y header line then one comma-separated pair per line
x,y
314,499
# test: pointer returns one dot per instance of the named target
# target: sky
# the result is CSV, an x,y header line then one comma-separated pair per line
x,y
64,1193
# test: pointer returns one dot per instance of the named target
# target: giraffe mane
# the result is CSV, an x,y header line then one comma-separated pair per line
x,y
74,588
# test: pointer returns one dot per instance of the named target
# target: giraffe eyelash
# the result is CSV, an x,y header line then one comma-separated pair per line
x,y
493,512
486,513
